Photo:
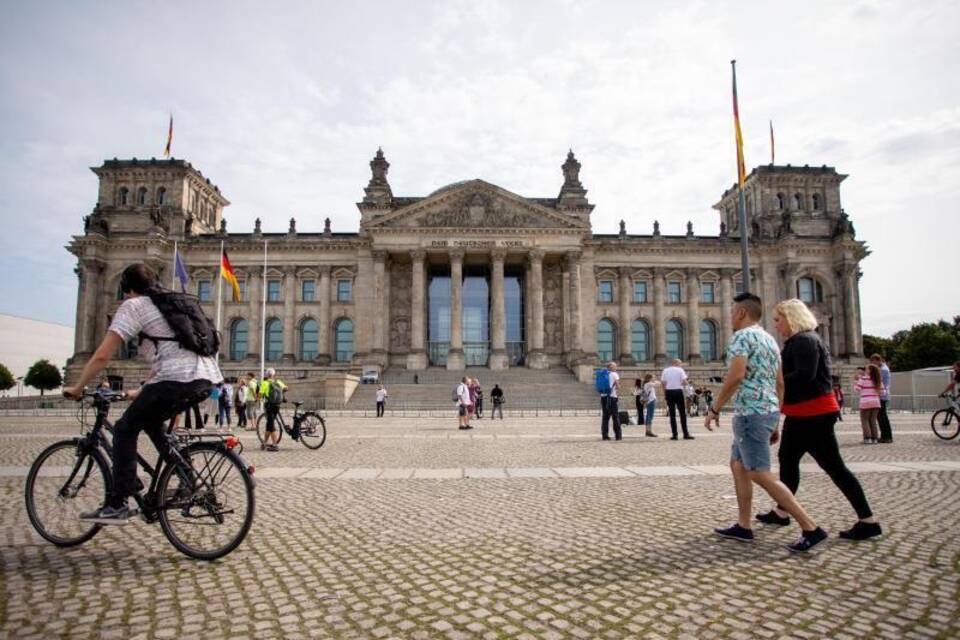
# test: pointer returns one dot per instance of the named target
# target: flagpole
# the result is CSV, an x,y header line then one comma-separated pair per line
x,y
263,313
772,145
741,205
219,292
173,273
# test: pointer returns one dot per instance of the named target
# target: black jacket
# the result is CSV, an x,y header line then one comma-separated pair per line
x,y
806,368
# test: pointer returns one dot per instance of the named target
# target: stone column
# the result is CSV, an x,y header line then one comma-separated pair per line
x,y
324,348
498,320
254,322
693,316
536,357
289,329
588,301
626,294
790,273
576,342
417,358
850,325
379,348
726,305
659,321
456,361
565,304
90,278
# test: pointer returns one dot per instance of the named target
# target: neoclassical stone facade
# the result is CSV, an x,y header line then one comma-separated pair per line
x,y
471,274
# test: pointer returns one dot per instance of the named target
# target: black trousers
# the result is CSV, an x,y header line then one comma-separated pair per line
x,y
380,408
271,410
156,403
479,407
676,402
609,408
815,436
241,415
886,433
639,401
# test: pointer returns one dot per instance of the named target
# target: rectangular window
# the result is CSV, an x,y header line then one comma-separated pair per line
x,y
308,290
707,292
805,289
606,291
738,287
203,290
673,292
273,291
640,292
343,291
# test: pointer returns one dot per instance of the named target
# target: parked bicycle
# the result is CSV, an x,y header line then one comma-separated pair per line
x,y
946,422
202,496
308,427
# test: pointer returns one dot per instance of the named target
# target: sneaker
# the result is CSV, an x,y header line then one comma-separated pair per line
x,y
272,447
688,437
771,517
735,532
808,540
651,435
673,437
108,515
886,440
862,531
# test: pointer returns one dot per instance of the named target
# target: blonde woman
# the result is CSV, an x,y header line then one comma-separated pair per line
x,y
810,409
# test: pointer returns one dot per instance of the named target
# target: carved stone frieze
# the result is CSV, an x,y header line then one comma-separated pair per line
x,y
401,281
553,308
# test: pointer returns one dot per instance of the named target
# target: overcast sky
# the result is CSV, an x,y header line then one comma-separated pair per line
x,y
283,104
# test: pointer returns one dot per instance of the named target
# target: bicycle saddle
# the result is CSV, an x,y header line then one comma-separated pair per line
x,y
296,403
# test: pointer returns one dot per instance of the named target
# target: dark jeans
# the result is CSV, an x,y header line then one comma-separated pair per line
x,y
156,403
497,407
639,401
381,405
241,415
479,409
815,436
271,410
609,408
676,402
886,433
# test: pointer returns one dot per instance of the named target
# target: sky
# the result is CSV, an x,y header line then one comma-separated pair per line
x,y
283,104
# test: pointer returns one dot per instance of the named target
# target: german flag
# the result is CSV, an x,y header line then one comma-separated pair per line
x,y
166,150
226,272
741,170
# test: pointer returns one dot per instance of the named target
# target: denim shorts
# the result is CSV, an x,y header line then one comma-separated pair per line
x,y
751,440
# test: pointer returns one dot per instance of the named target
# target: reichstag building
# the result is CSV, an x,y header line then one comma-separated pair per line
x,y
471,274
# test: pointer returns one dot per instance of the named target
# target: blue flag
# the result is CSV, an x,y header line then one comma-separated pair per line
x,y
181,271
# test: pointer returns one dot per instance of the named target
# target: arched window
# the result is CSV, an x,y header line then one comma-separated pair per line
x,y
123,196
162,195
708,340
238,339
674,339
640,340
781,201
816,202
343,340
274,346
797,201
141,196
606,340
809,290
309,335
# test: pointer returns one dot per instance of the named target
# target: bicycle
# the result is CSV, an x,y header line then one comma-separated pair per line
x,y
201,489
308,427
946,422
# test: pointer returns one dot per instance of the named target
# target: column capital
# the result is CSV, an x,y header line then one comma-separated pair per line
x,y
498,255
324,269
626,272
289,270
536,255
693,273
379,255
456,255
573,257
728,272
418,255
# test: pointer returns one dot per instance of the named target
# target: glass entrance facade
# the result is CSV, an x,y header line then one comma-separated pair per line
x,y
476,316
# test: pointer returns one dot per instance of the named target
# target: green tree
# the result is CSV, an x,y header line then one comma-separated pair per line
x,y
876,344
7,381
44,376
925,345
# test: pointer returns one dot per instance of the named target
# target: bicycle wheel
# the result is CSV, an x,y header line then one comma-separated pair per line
x,y
262,428
313,430
945,423
63,483
208,518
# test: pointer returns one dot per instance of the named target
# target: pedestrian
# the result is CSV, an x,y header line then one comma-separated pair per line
x,y
609,403
381,400
650,403
496,394
240,402
674,379
213,406
638,398
252,400
810,409
883,418
271,390
462,396
690,395
838,394
479,398
226,403
869,386
472,390
753,380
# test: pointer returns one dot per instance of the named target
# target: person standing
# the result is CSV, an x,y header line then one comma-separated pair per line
x,y
753,380
213,406
472,390
838,394
609,405
479,398
638,398
674,379
240,402
252,400
463,403
810,411
271,390
381,400
883,418
226,403
496,394
869,386
650,403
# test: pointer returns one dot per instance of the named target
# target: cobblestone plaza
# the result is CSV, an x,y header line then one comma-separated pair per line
x,y
523,528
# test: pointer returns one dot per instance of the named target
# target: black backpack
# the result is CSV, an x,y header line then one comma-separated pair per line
x,y
192,329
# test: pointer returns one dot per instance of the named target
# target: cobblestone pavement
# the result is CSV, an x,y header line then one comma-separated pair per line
x,y
525,528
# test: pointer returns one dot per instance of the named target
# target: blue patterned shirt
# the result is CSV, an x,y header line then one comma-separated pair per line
x,y
758,389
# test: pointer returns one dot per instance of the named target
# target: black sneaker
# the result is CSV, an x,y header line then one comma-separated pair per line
x,y
735,532
651,435
862,531
108,515
808,540
771,517
673,437
688,437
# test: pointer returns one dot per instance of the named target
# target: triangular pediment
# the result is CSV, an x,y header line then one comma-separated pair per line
x,y
475,204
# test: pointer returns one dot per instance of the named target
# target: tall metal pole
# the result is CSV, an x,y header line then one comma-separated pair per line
x,y
741,171
744,245
219,292
263,313
173,274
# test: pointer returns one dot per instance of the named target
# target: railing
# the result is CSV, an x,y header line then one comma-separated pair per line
x,y
437,353
515,353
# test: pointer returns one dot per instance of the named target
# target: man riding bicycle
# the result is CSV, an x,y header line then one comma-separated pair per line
x,y
953,389
178,378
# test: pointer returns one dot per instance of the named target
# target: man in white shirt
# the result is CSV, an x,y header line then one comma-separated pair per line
x,y
463,404
381,400
674,378
609,405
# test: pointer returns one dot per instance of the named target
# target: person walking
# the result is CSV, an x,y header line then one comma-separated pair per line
x,y
638,398
869,387
810,409
496,394
609,404
674,379
883,418
463,403
226,403
753,380
381,400
650,403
